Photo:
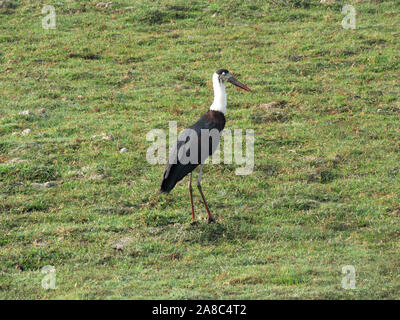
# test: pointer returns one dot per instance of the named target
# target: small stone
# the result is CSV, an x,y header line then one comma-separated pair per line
x,y
118,246
104,4
107,137
104,136
96,176
49,184
45,185
273,105
25,113
15,160
123,150
129,8
26,132
42,112
296,57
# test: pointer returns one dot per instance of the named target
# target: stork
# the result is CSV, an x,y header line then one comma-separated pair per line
x,y
189,143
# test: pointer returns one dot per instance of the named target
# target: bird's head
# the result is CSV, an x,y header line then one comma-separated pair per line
x,y
224,75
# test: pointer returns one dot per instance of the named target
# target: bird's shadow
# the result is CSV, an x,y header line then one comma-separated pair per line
x,y
230,231
207,232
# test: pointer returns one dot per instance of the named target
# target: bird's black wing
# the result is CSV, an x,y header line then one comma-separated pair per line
x,y
175,170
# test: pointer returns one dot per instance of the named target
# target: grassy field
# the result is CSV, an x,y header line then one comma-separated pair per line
x,y
325,188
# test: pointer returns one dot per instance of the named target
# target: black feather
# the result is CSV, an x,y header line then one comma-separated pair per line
x,y
221,71
175,170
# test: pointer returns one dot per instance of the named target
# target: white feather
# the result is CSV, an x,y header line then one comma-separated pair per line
x,y
219,103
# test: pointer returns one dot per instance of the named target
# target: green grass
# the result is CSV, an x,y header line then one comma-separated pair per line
x,y
325,188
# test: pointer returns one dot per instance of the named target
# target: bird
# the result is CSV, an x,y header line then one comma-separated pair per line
x,y
191,148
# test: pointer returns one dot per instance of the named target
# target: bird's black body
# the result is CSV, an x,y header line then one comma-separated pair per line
x,y
175,170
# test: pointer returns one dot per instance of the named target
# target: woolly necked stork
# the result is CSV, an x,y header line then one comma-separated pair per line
x,y
189,143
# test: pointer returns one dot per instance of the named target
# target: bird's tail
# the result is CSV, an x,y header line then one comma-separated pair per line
x,y
166,186
175,174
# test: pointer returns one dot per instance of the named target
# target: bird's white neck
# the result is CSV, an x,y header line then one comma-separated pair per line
x,y
219,103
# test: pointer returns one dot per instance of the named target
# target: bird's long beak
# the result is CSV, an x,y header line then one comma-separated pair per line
x,y
238,83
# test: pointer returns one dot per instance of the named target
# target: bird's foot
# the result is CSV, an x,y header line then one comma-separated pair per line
x,y
194,223
211,219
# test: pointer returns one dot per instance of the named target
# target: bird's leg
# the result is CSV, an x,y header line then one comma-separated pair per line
x,y
210,217
191,195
